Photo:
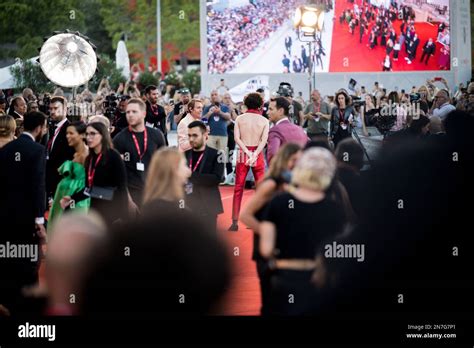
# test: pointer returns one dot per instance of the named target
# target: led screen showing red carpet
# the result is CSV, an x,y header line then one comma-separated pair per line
x,y
257,36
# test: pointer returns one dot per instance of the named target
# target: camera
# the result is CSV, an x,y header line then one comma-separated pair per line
x,y
285,90
44,105
110,105
414,97
357,101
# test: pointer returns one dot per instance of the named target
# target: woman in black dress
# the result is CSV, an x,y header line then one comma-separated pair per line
x,y
106,178
295,225
276,180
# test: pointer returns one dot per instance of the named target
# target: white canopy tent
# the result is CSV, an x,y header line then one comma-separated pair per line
x,y
6,77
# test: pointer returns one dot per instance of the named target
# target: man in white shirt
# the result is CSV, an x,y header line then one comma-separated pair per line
x,y
194,114
441,105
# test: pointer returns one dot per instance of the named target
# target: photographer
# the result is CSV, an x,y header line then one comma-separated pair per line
x,y
296,110
342,118
217,115
181,108
119,120
318,115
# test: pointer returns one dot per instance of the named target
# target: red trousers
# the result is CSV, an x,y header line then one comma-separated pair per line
x,y
241,171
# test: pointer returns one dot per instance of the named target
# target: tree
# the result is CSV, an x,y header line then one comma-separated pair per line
x,y
29,74
94,26
137,20
24,24
180,26
106,68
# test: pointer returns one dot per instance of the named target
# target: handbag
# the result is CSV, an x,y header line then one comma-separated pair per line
x,y
99,192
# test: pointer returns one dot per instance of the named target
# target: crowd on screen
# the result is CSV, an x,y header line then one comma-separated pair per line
x,y
394,29
93,189
236,32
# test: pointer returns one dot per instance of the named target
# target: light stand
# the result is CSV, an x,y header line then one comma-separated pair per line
x,y
308,21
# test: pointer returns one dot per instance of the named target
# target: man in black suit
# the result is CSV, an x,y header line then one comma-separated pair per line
x,y
58,150
155,113
288,43
22,207
428,51
207,166
412,48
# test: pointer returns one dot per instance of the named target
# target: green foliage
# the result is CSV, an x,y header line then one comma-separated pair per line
x,y
146,79
192,80
173,78
24,23
106,68
28,74
136,22
180,25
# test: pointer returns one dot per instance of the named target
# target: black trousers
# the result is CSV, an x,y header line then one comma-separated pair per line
x,y
264,278
291,293
428,56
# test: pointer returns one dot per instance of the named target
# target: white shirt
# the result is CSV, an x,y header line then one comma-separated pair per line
x,y
282,120
30,135
443,111
58,126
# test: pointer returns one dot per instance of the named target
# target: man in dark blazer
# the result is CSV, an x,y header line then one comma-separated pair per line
x,y
283,131
207,166
22,207
428,51
155,113
58,150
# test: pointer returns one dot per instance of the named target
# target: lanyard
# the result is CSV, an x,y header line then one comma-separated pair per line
x,y
137,146
197,164
56,132
91,171
341,115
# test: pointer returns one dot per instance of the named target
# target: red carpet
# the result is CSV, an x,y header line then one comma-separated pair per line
x,y
243,295
348,55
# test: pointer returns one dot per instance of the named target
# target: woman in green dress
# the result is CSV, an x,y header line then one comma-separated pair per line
x,y
73,172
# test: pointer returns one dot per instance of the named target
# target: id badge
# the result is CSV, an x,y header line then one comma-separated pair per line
x,y
216,118
140,166
188,188
343,126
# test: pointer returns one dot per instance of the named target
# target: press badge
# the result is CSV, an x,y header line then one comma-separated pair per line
x,y
140,166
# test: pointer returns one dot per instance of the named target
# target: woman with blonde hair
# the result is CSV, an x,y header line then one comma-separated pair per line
x,y
275,181
7,129
296,224
166,178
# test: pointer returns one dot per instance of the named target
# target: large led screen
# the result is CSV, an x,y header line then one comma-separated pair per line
x,y
258,36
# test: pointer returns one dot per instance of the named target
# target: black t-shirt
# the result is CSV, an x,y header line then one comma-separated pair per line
x,y
124,144
294,112
195,159
302,228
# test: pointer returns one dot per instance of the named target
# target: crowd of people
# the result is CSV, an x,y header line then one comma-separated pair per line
x,y
379,26
234,33
93,190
